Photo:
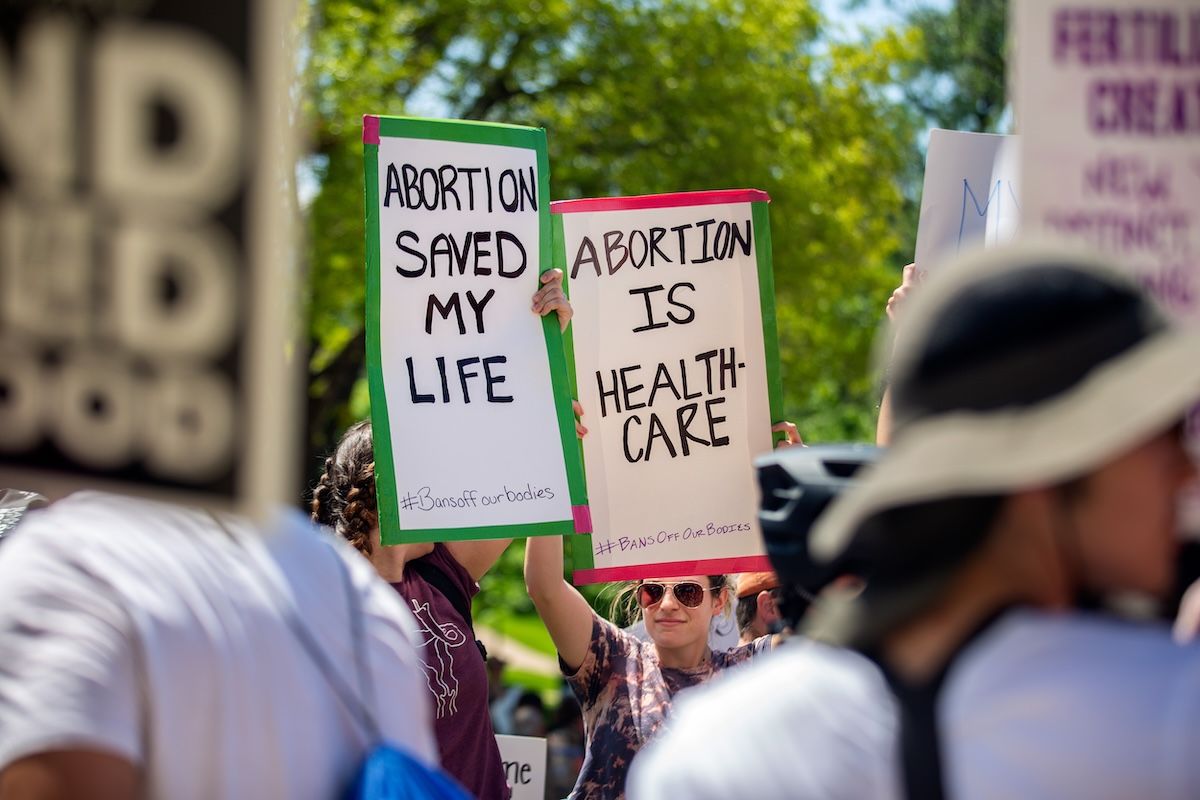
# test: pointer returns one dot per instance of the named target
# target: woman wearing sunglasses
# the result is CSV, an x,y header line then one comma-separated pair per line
x,y
624,685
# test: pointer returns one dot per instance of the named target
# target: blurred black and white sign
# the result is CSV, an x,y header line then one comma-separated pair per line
x,y
145,271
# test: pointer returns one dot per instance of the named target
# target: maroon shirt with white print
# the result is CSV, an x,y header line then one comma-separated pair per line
x,y
457,677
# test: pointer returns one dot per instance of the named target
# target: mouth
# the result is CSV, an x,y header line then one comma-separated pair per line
x,y
668,622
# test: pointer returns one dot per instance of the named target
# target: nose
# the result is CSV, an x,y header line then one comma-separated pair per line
x,y
668,599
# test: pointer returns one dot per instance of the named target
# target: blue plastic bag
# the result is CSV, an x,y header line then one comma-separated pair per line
x,y
388,773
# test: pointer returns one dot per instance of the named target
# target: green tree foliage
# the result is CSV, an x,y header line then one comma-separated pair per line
x,y
957,78
638,96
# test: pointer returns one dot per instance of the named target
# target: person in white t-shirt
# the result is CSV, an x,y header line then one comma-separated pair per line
x,y
151,650
1036,468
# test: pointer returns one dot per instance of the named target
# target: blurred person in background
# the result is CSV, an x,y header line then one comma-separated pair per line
x,y
1035,471
529,715
156,651
519,709
495,673
757,611
564,747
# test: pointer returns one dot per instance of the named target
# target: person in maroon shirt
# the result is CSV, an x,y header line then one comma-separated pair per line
x,y
455,671
437,582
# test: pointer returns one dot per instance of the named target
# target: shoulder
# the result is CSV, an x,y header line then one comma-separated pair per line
x,y
799,675
93,540
307,557
1085,652
1090,665
67,630
802,698
442,559
611,640
608,644
90,514
1110,702
333,586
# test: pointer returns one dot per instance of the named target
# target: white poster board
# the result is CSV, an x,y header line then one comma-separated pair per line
x,y
969,198
1107,97
524,759
673,301
470,399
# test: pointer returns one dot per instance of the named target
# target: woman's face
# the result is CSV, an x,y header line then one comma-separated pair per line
x,y
672,623
1127,517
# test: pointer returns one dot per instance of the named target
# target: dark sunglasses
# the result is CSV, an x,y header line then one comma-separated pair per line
x,y
688,593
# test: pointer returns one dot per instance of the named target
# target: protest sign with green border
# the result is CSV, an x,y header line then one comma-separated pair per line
x,y
676,361
470,397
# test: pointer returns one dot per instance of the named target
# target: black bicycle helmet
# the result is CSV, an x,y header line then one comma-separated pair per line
x,y
797,484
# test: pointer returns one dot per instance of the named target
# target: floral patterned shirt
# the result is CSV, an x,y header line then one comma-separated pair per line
x,y
626,698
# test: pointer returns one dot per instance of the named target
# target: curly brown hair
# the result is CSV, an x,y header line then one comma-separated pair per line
x,y
344,497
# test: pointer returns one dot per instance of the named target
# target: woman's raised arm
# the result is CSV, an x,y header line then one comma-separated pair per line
x,y
567,616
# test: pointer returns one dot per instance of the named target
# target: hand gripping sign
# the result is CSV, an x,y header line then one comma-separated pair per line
x,y
676,364
470,398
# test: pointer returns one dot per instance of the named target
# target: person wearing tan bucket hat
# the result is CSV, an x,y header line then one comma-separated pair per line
x,y
1036,464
